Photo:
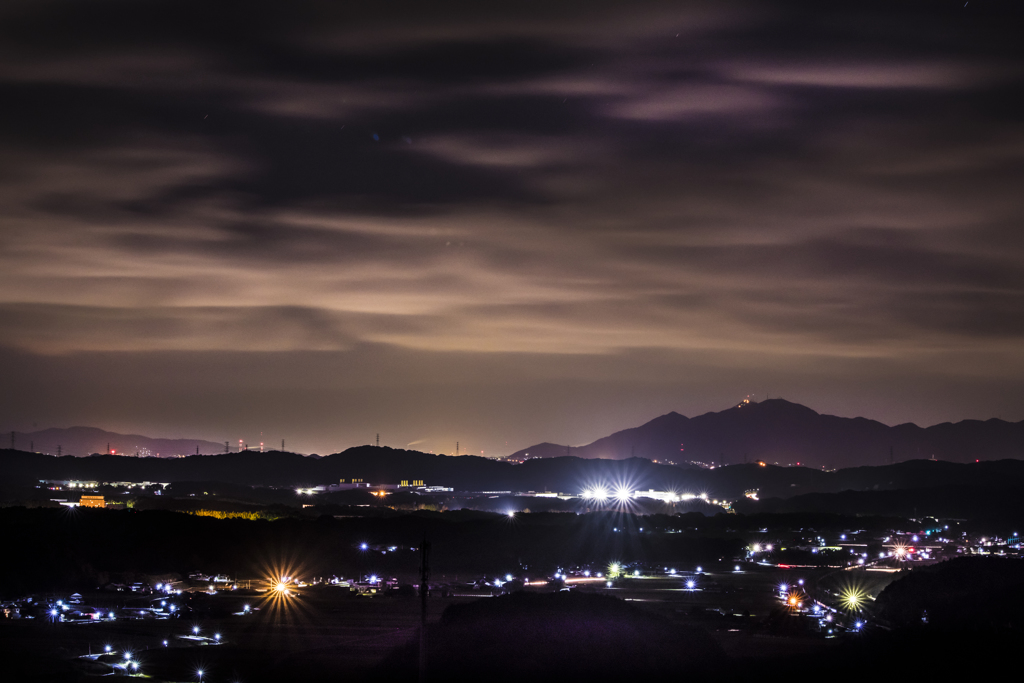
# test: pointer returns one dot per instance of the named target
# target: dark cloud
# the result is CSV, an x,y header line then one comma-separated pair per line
x,y
795,193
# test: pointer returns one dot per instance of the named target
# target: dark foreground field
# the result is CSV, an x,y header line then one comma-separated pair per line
x,y
538,636
929,621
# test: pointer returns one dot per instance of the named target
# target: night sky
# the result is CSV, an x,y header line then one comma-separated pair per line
x,y
505,223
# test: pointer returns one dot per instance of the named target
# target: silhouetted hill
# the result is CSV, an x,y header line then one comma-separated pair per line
x,y
470,473
963,594
89,440
781,432
997,505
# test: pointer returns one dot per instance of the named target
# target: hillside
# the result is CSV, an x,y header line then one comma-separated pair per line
x,y
778,431
89,440
471,473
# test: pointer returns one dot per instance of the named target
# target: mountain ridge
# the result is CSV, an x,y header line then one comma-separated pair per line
x,y
83,441
782,432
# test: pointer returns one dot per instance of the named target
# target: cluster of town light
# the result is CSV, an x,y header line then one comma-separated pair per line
x,y
624,493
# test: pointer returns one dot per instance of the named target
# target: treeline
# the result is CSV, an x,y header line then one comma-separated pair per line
x,y
470,473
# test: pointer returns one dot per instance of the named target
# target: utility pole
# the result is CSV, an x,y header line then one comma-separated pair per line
x,y
424,578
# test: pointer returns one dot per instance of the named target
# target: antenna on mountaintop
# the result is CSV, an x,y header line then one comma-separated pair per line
x,y
567,450
227,448
456,448
12,440
282,445
378,441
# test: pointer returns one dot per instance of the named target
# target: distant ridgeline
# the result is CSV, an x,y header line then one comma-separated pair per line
x,y
778,431
379,466
88,440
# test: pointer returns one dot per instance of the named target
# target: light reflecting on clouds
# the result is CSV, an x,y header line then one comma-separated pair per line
x,y
673,203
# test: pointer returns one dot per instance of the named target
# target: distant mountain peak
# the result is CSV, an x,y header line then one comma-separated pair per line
x,y
779,431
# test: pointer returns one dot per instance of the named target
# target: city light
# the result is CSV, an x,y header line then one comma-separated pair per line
x,y
852,598
691,584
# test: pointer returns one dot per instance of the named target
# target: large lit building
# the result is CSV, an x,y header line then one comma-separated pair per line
x,y
92,502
